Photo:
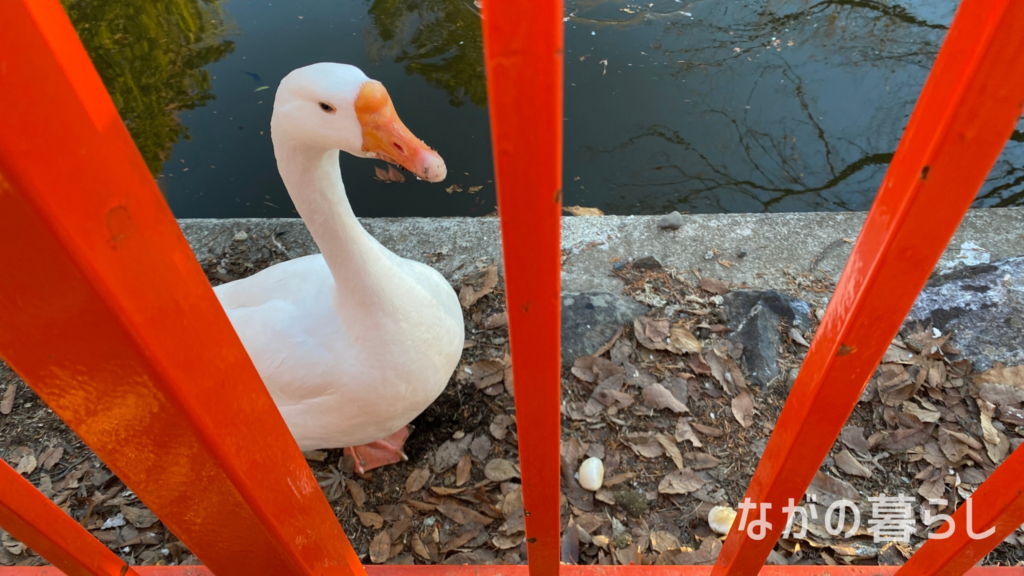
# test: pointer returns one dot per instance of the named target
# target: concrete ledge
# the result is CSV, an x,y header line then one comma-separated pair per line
x,y
801,242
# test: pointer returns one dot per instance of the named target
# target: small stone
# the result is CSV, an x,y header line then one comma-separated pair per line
x,y
241,237
709,255
983,306
619,266
754,318
591,474
720,518
647,263
741,254
590,319
671,221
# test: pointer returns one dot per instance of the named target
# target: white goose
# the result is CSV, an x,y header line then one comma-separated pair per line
x,y
355,342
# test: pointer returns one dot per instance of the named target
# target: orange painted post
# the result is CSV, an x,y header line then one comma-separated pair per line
x,y
106,314
997,505
966,113
501,570
523,50
39,524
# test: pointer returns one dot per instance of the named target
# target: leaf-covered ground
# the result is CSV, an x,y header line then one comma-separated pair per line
x,y
665,406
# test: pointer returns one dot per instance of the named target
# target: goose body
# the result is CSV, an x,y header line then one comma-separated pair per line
x,y
355,342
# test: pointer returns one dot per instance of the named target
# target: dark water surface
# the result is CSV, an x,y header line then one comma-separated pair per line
x,y
707,106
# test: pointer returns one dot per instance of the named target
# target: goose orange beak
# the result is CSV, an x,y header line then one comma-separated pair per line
x,y
385,137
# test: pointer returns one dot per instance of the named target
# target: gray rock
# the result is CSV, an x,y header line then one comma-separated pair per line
x,y
984,308
647,263
754,318
672,221
590,319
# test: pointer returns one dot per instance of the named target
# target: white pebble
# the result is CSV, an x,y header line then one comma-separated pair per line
x,y
591,474
721,518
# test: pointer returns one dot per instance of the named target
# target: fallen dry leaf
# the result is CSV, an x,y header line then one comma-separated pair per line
x,y
315,455
701,460
652,332
380,548
27,464
1001,394
503,542
894,384
853,437
139,517
418,548
706,554
462,470
583,211
481,447
358,495
496,321
671,449
684,433
499,426
847,463
662,541
7,402
957,445
725,370
594,369
743,409
828,489
463,515
500,470
417,480
644,445
997,445
658,397
681,481
484,373
10,544
682,340
370,519
570,548
618,479
1000,374
932,488
478,285
707,430
446,491
50,458
714,286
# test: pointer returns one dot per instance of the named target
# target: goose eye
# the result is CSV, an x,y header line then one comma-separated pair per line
x,y
327,107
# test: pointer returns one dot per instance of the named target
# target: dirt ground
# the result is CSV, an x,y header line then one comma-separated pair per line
x,y
665,406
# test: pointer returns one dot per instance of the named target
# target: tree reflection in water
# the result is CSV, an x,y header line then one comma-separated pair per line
x,y
150,55
440,40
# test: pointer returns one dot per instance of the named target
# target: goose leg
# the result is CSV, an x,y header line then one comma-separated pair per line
x,y
380,453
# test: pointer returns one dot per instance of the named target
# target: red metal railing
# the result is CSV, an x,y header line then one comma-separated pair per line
x,y
117,353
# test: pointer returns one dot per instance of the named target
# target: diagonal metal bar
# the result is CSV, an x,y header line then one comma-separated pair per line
x,y
966,113
997,505
39,524
441,570
523,51
106,314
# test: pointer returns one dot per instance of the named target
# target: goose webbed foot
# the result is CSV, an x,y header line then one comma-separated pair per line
x,y
380,453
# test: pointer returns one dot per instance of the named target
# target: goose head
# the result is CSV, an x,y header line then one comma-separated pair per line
x,y
337,107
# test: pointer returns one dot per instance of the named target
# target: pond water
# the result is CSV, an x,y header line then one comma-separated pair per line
x,y
706,106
